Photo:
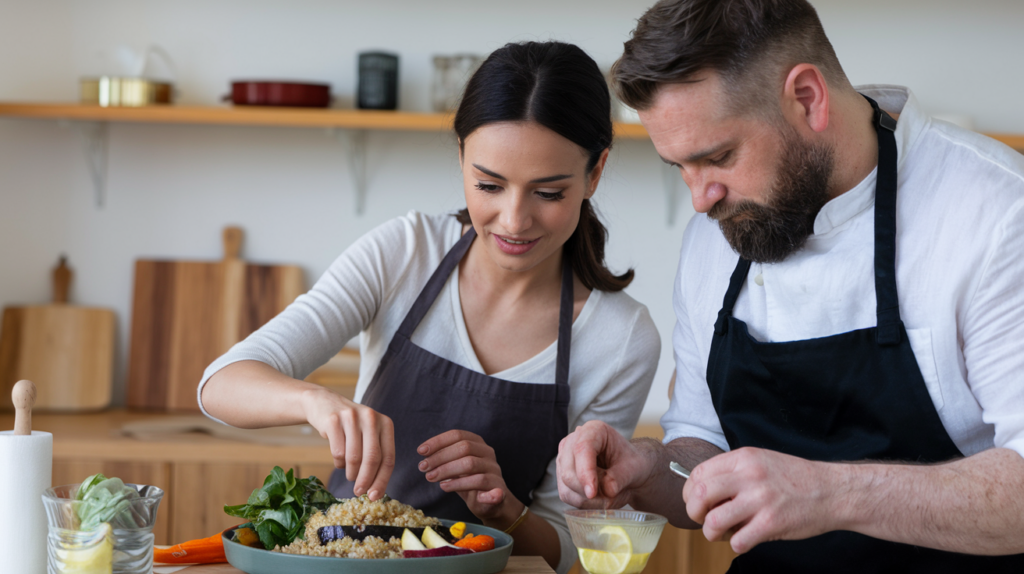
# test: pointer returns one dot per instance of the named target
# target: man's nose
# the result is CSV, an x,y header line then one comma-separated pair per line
x,y
705,194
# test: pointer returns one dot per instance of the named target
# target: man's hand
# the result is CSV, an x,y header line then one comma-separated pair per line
x,y
597,468
750,495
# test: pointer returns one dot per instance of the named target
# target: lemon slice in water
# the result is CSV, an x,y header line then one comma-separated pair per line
x,y
77,558
615,556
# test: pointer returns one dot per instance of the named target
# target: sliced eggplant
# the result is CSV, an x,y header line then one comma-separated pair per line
x,y
361,531
433,552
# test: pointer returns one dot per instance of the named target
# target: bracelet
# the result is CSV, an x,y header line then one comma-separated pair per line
x,y
518,521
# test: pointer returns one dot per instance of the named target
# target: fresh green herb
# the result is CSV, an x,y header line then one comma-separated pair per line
x,y
279,509
101,499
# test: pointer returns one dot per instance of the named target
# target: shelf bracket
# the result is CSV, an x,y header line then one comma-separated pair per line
x,y
355,144
670,179
95,138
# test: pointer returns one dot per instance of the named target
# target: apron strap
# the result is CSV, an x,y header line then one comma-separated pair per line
x,y
739,275
565,309
887,300
451,260
436,283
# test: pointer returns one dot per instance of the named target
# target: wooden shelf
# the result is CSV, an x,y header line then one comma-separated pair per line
x,y
255,116
288,117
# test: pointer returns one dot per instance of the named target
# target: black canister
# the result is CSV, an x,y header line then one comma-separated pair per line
x,y
378,81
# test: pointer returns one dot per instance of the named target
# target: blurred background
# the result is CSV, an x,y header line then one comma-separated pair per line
x,y
172,188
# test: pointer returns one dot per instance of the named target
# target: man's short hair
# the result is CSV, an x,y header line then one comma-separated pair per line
x,y
752,44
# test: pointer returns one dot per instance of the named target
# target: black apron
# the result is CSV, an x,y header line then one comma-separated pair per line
x,y
426,395
853,396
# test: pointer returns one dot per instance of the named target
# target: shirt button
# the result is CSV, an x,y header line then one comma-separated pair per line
x,y
759,280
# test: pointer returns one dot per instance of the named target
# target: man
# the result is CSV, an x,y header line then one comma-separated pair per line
x,y
850,381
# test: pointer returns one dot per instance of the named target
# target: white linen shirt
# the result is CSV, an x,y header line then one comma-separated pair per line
x,y
368,291
959,274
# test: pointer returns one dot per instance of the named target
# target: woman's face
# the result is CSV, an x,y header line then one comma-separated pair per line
x,y
524,185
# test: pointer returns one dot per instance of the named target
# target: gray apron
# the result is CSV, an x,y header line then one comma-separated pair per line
x,y
426,395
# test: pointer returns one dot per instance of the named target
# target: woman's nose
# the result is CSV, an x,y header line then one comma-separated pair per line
x,y
515,217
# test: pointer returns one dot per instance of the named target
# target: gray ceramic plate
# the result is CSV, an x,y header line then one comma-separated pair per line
x,y
256,561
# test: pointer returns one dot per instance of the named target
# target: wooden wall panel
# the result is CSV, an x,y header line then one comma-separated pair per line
x,y
202,490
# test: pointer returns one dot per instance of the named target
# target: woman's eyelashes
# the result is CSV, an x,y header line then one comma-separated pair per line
x,y
551,195
556,195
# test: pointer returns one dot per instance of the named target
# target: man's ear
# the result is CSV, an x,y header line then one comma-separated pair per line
x,y
595,174
805,98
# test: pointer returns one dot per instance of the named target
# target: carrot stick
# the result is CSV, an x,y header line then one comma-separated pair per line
x,y
203,551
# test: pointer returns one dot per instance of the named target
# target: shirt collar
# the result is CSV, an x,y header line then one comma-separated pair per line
x,y
911,123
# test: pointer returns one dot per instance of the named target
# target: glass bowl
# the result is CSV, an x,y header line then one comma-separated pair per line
x,y
124,544
614,541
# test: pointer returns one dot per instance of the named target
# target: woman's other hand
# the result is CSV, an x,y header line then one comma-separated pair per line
x,y
462,462
362,440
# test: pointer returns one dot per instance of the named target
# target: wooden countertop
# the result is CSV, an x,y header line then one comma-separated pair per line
x,y
98,435
516,565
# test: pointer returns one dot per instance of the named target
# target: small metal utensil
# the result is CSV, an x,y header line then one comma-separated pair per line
x,y
679,469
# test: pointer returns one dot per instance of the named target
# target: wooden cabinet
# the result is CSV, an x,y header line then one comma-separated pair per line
x,y
201,473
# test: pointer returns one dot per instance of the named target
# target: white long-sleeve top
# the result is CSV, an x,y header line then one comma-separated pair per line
x,y
959,274
370,288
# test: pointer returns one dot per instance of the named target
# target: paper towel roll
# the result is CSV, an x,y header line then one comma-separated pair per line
x,y
26,469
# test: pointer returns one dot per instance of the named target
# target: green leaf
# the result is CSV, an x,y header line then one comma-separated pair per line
x,y
280,508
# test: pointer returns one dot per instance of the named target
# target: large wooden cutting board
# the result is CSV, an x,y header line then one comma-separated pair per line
x,y
186,314
67,350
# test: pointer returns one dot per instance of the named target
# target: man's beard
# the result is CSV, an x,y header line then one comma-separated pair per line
x,y
770,232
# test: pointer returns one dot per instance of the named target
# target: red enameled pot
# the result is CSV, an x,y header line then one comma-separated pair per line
x,y
294,94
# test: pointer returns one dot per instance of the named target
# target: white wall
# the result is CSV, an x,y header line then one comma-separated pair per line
x,y
172,188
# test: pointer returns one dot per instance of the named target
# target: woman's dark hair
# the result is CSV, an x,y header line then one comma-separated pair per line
x,y
560,87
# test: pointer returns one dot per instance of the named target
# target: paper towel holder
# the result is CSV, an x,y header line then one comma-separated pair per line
x,y
23,395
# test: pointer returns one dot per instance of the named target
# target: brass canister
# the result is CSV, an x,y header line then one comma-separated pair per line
x,y
114,91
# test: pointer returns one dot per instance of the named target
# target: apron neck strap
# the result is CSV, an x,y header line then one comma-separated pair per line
x,y
887,301
451,260
565,309
436,283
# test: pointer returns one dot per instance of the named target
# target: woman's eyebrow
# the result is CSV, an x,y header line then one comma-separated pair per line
x,y
547,179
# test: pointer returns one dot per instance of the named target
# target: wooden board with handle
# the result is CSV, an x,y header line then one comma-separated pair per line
x,y
186,314
67,350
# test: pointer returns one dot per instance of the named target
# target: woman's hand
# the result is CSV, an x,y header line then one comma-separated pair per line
x,y
462,462
362,440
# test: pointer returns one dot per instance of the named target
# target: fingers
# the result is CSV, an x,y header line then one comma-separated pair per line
x,y
443,440
465,466
485,483
473,446
336,438
353,446
387,463
378,438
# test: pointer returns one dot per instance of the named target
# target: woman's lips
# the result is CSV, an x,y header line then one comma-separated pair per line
x,y
514,246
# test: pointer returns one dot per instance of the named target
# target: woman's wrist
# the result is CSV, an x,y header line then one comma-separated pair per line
x,y
510,511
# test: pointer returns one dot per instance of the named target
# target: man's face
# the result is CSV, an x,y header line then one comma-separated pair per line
x,y
759,179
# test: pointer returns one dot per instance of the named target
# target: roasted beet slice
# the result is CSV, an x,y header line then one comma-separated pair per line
x,y
433,552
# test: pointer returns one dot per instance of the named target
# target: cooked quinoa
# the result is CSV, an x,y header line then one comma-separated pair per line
x,y
352,511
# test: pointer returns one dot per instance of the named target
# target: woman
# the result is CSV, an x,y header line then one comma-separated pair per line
x,y
467,321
